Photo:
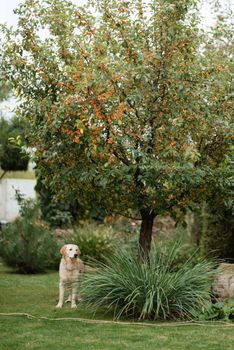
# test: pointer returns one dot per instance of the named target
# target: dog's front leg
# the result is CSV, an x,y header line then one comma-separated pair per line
x,y
61,295
73,295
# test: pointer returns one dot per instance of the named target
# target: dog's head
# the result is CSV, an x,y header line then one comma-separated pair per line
x,y
71,251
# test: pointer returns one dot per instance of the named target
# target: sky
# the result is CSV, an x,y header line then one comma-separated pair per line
x,y
7,16
7,6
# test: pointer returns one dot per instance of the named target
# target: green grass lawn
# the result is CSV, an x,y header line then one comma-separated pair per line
x,y
37,295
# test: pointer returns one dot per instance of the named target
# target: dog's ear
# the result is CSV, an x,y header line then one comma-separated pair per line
x,y
63,250
78,251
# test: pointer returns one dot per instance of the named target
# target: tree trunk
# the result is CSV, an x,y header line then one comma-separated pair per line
x,y
146,233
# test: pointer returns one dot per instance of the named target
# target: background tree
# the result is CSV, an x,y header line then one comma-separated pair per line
x,y
215,224
4,90
12,157
125,105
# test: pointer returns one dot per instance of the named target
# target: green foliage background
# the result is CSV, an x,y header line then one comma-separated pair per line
x,y
12,157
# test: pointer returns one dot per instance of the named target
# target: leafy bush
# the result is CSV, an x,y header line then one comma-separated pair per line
x,y
221,311
63,213
56,214
217,236
95,241
26,245
158,289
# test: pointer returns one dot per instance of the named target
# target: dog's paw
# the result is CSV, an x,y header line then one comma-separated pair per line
x,y
59,306
73,306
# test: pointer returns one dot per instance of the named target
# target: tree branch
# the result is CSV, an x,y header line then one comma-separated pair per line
x,y
2,175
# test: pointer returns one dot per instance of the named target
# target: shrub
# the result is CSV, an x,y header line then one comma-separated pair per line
x,y
56,214
217,236
26,245
94,241
154,290
63,213
221,311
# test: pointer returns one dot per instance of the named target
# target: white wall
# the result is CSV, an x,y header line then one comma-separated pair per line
x,y
9,208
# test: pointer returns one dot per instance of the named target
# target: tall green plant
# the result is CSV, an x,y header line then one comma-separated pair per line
x,y
156,289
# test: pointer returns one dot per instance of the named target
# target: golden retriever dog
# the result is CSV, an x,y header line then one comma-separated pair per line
x,y
69,270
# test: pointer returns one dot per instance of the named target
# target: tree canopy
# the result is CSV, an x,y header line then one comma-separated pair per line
x,y
129,102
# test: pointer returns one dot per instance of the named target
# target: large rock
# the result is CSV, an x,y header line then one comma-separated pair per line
x,y
223,286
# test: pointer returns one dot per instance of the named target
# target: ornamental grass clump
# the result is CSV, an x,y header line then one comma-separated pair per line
x,y
153,290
